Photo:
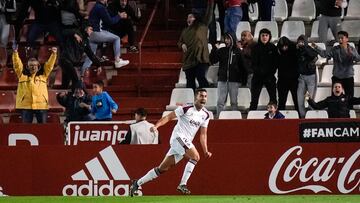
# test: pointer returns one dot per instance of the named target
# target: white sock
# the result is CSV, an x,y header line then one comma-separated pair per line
x,y
151,175
190,165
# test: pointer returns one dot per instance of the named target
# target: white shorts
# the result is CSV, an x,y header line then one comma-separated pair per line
x,y
178,148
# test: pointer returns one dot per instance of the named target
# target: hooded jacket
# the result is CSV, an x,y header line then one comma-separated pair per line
x,y
231,68
307,57
264,57
288,67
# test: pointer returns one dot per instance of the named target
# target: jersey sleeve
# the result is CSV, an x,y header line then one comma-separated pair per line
x,y
205,123
179,111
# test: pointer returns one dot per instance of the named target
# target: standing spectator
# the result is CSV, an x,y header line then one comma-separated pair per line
x,y
75,43
273,112
32,93
231,72
98,14
330,11
288,72
233,15
338,104
73,101
344,56
126,25
266,10
221,9
4,34
47,19
307,81
193,41
199,8
102,105
139,132
264,63
246,45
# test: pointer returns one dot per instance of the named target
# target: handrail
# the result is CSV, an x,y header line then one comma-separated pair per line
x,y
145,33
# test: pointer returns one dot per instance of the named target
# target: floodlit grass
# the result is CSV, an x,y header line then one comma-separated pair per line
x,y
190,199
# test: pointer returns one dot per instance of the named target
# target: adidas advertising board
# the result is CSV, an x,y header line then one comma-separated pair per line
x,y
84,133
106,177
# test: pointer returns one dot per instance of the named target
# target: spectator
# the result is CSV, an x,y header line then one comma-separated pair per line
x,y
330,11
126,25
73,101
273,112
233,15
231,72
193,42
75,44
307,81
266,10
102,105
338,104
199,7
4,34
264,63
344,56
47,19
100,14
246,45
32,94
288,72
139,132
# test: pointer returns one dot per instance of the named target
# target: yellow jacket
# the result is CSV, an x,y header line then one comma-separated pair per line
x,y
32,90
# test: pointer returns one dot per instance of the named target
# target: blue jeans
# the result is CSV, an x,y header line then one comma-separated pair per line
x,y
27,115
101,37
233,16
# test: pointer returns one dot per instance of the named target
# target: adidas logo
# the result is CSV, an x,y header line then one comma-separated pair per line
x,y
101,173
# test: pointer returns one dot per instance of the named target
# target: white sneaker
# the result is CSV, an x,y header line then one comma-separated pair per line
x,y
120,63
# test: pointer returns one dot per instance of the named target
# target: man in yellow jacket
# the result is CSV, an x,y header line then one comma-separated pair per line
x,y
32,94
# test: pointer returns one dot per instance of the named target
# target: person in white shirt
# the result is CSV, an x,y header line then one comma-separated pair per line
x,y
139,132
190,120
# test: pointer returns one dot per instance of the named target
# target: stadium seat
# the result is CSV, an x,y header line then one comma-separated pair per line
x,y
353,10
212,74
356,94
316,114
242,26
326,76
321,60
322,93
290,101
182,80
180,96
271,25
357,75
280,10
89,6
211,99
353,28
54,106
218,31
230,115
293,29
256,114
244,98
314,36
263,99
352,114
303,10
253,12
290,114
8,79
7,101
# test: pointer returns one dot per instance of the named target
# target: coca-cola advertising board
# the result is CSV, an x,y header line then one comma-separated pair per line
x,y
234,169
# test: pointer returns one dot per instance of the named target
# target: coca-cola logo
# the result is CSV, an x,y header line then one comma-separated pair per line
x,y
314,174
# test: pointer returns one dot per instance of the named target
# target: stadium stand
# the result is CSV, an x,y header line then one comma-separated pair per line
x,y
353,11
253,12
314,36
303,10
242,26
281,12
292,29
230,115
316,114
180,96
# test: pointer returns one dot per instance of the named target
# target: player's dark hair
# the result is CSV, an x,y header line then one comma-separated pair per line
x,y
343,33
272,103
141,111
100,83
197,91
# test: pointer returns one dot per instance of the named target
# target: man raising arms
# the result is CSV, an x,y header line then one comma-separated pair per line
x,y
190,119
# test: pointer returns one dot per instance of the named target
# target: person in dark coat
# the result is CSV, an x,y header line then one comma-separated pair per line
x,y
264,58
287,72
231,72
338,104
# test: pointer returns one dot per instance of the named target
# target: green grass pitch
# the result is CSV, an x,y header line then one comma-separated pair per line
x,y
190,199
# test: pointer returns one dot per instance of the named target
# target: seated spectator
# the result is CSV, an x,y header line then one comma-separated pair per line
x,y
126,25
32,93
338,104
102,105
273,112
344,57
246,45
231,72
99,14
139,132
74,101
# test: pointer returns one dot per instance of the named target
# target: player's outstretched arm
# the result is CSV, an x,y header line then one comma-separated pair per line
x,y
163,121
203,142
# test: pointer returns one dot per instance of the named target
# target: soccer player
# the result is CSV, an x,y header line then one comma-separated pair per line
x,y
190,119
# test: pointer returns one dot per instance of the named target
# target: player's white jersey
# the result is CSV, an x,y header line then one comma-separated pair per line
x,y
189,122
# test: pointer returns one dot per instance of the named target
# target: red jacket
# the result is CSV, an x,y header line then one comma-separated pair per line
x,y
232,3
